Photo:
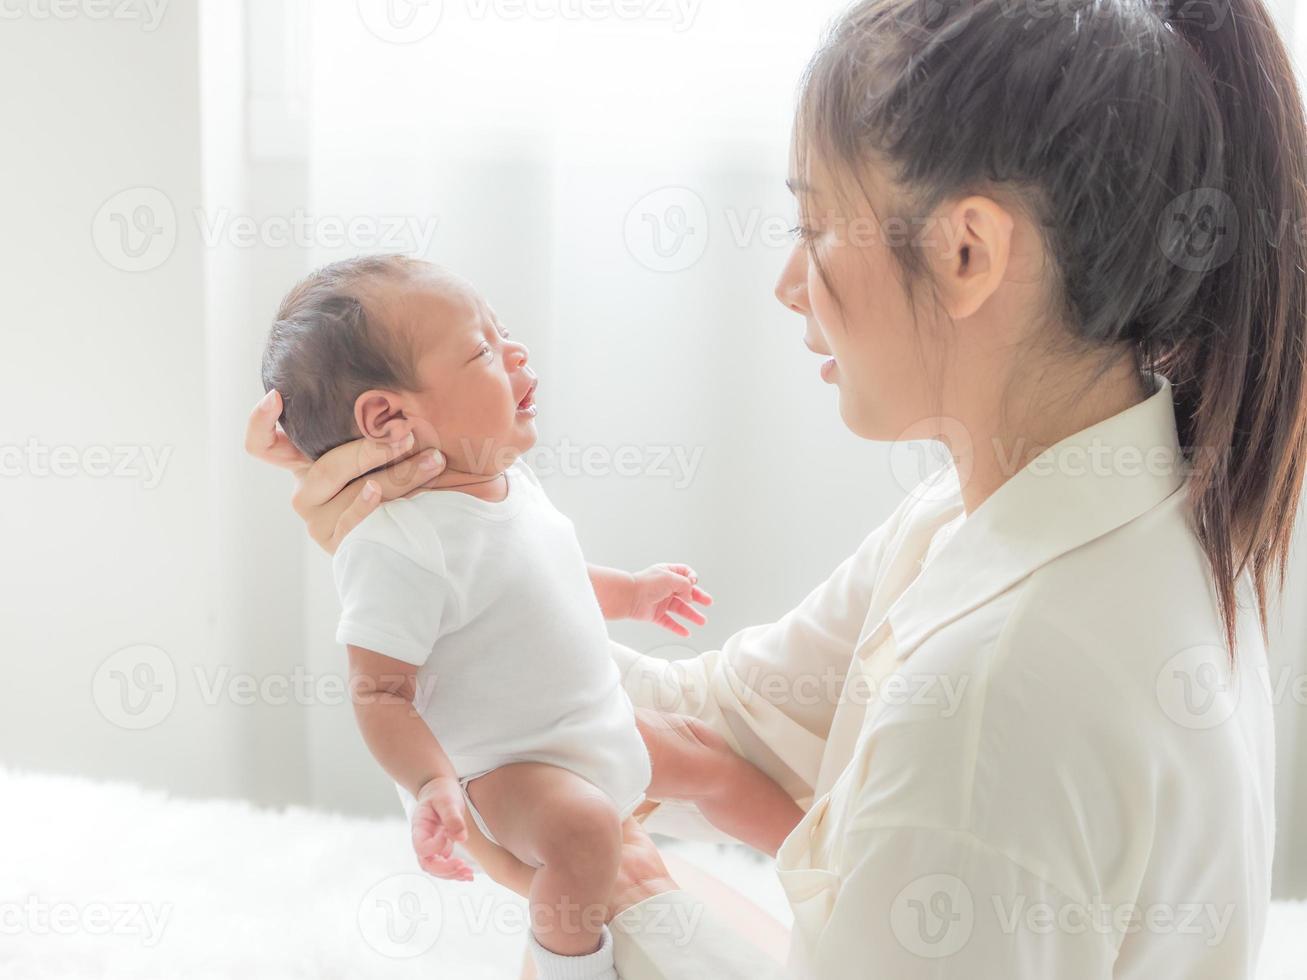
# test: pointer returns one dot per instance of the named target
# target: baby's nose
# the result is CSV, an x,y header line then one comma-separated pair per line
x,y
517,354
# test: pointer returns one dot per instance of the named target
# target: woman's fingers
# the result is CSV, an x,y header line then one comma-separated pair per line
x,y
341,466
331,519
407,474
368,500
264,439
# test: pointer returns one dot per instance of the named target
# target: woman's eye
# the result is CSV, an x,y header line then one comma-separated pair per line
x,y
802,232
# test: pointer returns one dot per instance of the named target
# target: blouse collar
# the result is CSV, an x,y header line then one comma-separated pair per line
x,y
1079,489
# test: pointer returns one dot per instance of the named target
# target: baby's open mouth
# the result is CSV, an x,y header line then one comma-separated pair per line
x,y
528,402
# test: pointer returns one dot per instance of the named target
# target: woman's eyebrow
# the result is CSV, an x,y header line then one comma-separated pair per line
x,y
797,187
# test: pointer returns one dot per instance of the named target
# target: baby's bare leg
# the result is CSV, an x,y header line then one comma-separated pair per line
x,y
552,817
692,762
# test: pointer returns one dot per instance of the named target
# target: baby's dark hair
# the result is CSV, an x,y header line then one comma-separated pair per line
x,y
329,345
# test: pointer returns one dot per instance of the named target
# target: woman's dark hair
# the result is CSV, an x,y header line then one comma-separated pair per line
x,y
1161,148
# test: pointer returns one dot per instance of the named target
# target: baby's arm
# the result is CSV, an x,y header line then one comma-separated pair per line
x,y
382,689
653,595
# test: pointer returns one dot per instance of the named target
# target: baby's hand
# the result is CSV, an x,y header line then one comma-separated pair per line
x,y
661,591
439,821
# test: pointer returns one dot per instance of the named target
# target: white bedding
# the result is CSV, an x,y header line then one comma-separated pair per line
x,y
113,881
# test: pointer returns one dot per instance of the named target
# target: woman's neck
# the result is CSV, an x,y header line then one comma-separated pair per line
x,y
1053,405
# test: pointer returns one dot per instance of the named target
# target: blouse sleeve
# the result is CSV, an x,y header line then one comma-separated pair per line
x,y
771,690
924,903
674,936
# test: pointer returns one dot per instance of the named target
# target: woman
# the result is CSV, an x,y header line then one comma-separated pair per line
x,y
1028,717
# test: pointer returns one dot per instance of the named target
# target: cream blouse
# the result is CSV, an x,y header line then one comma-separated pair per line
x,y
1026,758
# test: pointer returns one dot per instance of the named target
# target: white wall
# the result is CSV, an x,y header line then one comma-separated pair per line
x,y
100,357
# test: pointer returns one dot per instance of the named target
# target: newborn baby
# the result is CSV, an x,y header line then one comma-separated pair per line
x,y
479,658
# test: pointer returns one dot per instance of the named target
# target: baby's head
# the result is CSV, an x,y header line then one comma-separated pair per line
x,y
381,346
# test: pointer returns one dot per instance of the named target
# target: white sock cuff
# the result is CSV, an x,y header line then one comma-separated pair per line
x,y
592,966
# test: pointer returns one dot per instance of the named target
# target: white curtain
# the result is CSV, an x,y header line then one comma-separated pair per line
x,y
613,184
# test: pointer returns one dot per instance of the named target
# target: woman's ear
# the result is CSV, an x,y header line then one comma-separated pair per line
x,y
380,417
974,259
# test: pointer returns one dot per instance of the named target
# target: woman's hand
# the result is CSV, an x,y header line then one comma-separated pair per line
x,y
330,494
642,873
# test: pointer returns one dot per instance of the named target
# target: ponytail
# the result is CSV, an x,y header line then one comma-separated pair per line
x,y
1241,404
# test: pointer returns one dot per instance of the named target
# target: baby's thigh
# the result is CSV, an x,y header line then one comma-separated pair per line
x,y
546,815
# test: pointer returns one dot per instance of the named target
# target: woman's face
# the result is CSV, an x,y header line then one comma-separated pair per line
x,y
877,357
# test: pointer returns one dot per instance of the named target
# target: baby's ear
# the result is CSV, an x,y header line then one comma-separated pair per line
x,y
379,417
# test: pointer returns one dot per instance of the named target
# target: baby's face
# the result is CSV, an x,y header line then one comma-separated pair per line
x,y
476,397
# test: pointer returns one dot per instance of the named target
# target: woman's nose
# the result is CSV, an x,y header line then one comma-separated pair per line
x,y
792,286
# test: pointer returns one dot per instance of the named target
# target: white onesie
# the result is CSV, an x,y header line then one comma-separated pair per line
x,y
492,602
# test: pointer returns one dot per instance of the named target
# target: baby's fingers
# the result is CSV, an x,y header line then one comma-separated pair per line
x,y
436,842
667,623
447,867
451,820
683,609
